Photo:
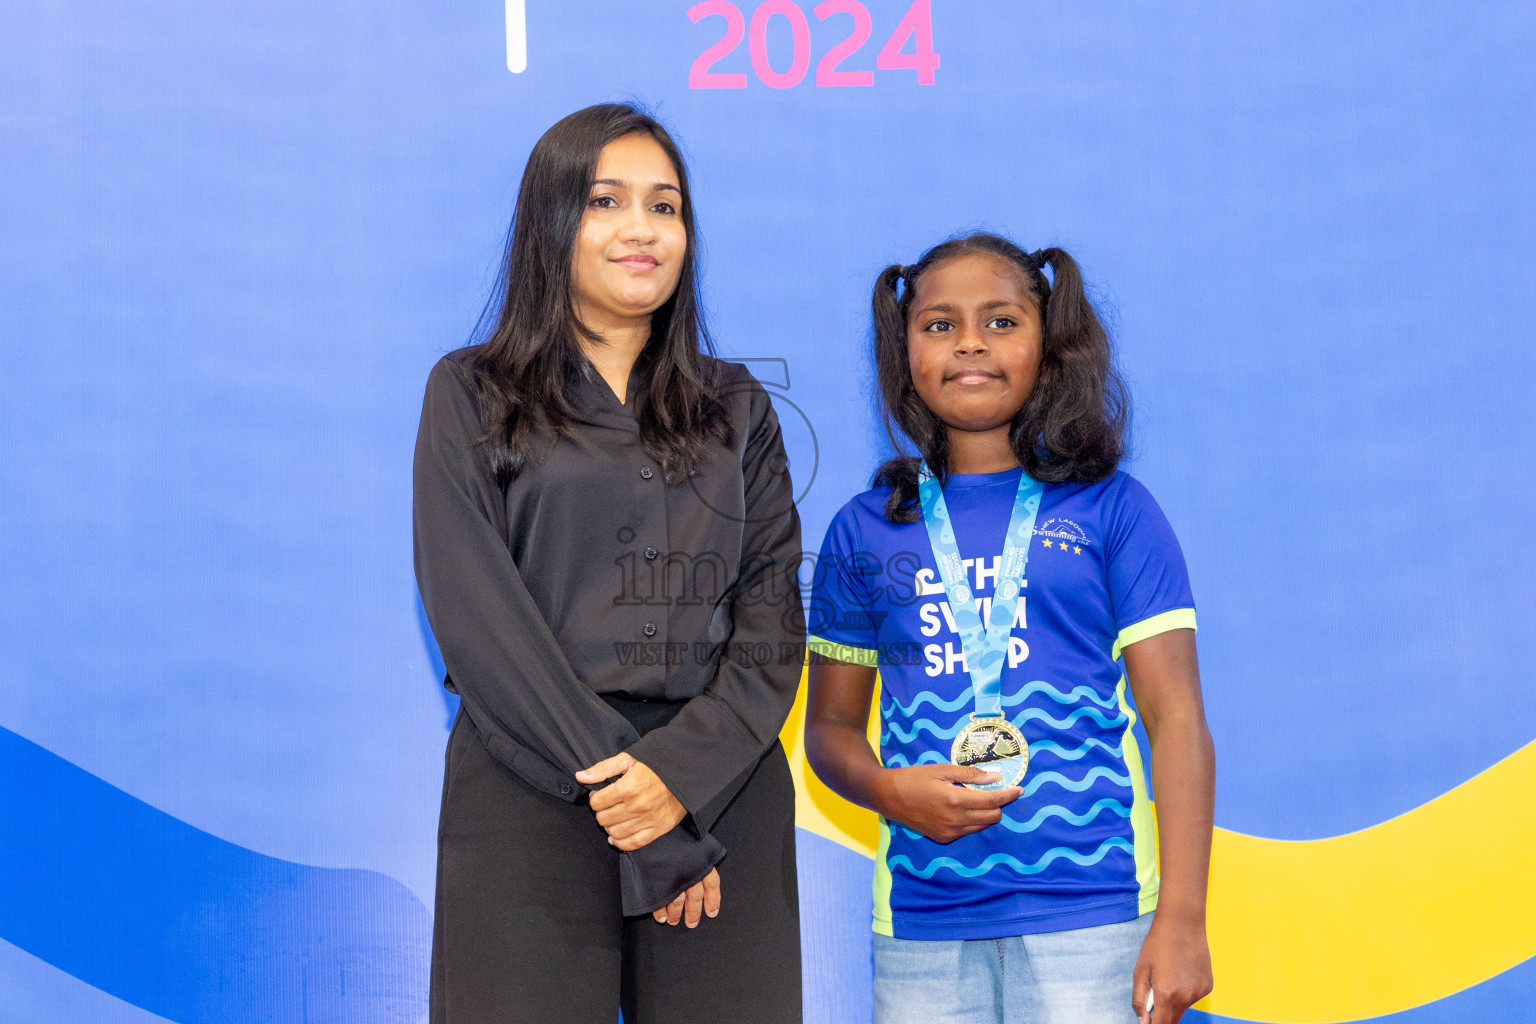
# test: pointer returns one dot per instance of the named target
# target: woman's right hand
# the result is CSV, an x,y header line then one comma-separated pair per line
x,y
703,896
931,799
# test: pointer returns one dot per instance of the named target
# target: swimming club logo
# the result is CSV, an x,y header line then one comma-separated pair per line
x,y
1063,535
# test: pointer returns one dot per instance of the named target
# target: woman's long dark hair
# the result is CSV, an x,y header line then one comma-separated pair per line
x,y
529,359
1073,425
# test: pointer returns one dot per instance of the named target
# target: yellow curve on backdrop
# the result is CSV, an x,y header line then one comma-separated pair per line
x,y
1360,925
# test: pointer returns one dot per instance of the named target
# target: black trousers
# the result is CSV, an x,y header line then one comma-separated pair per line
x,y
529,926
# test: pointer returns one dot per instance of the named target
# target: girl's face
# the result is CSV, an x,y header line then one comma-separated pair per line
x,y
973,341
631,244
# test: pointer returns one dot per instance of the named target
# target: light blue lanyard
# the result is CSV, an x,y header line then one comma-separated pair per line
x,y
985,647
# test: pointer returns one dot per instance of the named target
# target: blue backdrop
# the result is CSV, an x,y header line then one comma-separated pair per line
x,y
234,237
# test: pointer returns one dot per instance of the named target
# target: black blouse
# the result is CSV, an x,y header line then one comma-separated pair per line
x,y
590,576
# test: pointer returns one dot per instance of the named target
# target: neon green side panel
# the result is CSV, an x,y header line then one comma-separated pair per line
x,y
1143,820
883,882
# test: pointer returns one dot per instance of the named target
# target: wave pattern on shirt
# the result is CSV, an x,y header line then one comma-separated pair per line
x,y
967,697
1021,719
933,866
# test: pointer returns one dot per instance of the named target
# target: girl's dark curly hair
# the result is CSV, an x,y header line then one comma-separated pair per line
x,y
1073,425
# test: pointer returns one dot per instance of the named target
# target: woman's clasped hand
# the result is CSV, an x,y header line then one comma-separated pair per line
x,y
702,897
636,808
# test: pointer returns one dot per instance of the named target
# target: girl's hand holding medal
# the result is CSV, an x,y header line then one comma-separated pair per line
x,y
933,799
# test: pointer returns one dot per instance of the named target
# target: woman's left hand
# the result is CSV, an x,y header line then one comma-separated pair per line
x,y
702,897
1175,962
637,808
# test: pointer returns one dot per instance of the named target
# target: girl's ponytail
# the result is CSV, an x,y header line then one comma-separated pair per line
x,y
1065,303
905,412
886,305
1073,426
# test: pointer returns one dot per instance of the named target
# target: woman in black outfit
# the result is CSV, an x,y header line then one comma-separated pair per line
x,y
606,544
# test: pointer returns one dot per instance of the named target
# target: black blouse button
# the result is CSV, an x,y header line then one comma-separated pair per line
x,y
650,629
566,789
645,473
650,554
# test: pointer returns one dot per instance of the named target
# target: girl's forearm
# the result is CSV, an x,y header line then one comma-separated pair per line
x,y
841,757
1184,781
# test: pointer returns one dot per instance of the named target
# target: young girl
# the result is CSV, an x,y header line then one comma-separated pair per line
x,y
996,580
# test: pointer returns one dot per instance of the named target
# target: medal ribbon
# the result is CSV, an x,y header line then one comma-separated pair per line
x,y
985,645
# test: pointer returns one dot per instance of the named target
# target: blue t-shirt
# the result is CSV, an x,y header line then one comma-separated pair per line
x,y
1105,570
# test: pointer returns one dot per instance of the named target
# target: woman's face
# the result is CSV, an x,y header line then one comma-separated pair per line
x,y
973,341
630,248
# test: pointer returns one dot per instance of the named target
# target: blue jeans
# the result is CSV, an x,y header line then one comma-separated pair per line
x,y
1077,976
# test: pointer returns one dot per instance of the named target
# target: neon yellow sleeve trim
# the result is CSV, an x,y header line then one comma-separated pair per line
x,y
843,652
1179,618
